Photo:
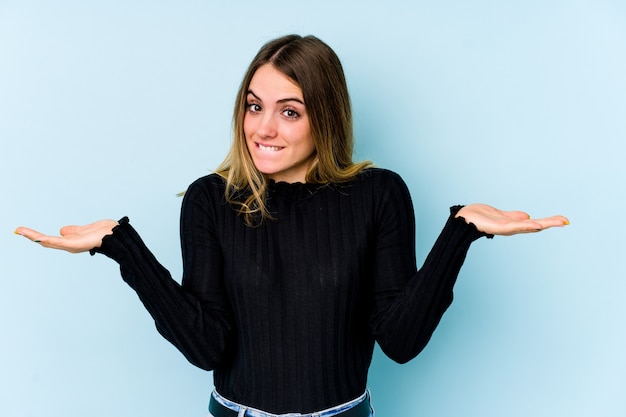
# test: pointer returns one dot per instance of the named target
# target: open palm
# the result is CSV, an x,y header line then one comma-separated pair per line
x,y
497,222
74,239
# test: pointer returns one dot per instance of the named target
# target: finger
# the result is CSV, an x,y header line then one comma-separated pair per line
x,y
525,226
532,226
72,244
57,242
70,230
518,215
29,233
53,242
553,221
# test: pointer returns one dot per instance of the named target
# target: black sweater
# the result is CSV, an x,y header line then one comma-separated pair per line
x,y
286,313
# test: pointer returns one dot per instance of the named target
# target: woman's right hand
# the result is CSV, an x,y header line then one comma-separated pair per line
x,y
73,239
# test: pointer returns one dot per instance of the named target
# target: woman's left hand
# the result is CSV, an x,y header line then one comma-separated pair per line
x,y
490,220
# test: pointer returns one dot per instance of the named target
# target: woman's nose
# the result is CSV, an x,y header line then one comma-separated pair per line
x,y
267,126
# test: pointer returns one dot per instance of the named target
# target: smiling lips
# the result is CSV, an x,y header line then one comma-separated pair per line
x,y
268,148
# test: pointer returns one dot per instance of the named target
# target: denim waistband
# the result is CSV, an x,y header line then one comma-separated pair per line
x,y
244,411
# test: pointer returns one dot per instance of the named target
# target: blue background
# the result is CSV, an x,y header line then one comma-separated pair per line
x,y
111,108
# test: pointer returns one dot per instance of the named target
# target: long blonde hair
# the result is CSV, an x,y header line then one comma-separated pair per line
x,y
315,67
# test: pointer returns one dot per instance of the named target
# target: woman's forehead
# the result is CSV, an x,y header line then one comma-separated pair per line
x,y
270,83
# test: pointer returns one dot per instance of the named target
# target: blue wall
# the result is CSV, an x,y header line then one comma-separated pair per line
x,y
111,108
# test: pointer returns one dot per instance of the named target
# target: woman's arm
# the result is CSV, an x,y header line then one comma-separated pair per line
x,y
196,321
408,303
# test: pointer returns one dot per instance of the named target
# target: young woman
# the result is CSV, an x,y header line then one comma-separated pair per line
x,y
296,259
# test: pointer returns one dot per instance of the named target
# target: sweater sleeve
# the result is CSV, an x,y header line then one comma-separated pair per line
x,y
196,321
409,303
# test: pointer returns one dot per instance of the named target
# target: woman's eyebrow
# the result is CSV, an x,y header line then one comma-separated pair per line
x,y
282,100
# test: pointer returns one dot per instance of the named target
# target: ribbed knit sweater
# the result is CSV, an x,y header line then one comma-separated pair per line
x,y
286,313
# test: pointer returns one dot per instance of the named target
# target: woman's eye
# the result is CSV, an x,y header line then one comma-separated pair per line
x,y
254,108
291,113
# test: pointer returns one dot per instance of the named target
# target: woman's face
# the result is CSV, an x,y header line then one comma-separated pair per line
x,y
276,126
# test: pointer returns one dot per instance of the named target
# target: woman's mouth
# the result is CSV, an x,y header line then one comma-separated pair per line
x,y
268,148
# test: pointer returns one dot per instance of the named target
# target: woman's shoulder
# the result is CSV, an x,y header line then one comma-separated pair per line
x,y
379,177
209,181
382,184
209,186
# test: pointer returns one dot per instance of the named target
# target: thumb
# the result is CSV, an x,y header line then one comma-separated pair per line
x,y
69,230
518,215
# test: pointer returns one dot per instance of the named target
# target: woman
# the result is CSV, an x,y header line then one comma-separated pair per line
x,y
296,259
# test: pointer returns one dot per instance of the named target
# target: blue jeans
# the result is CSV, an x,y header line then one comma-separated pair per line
x,y
244,411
